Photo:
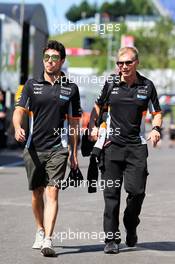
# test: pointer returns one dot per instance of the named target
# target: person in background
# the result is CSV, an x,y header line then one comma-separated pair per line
x,y
171,129
2,121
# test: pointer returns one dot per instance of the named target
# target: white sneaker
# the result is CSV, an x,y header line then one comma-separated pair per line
x,y
39,238
47,248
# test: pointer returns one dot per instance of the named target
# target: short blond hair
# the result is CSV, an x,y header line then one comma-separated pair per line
x,y
124,50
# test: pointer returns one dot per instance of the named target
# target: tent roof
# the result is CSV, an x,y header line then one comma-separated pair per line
x,y
34,14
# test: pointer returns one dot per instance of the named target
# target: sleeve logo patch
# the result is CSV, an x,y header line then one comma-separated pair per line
x,y
142,97
19,92
64,97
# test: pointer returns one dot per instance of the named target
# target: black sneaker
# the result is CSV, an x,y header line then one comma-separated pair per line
x,y
111,247
131,238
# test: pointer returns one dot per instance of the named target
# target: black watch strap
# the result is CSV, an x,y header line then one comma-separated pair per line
x,y
157,128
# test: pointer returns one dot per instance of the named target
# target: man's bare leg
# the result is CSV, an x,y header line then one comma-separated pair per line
x,y
38,211
51,209
38,207
50,215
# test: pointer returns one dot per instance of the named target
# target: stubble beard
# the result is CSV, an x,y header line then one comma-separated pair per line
x,y
53,73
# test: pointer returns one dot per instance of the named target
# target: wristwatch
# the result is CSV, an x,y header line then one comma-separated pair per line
x,y
157,128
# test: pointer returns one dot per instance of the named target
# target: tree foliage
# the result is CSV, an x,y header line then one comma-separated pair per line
x,y
77,12
155,45
114,9
138,7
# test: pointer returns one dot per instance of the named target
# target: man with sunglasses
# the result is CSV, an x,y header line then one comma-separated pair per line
x,y
49,101
125,150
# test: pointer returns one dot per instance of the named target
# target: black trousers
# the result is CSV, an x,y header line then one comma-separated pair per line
x,y
128,163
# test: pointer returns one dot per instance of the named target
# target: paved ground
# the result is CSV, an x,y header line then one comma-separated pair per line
x,y
82,212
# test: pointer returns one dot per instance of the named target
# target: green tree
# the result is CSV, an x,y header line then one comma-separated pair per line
x,y
155,45
101,44
114,9
105,7
138,7
129,7
73,14
88,9
100,61
76,13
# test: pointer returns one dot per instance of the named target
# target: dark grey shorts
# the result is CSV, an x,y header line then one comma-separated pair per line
x,y
45,168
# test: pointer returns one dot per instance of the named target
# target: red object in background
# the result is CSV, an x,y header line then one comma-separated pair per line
x,y
12,54
80,52
168,100
127,41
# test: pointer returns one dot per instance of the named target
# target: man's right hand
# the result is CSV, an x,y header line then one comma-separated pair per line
x,y
93,133
20,134
93,130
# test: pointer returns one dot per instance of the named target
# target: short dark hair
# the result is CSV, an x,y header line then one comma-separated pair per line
x,y
53,44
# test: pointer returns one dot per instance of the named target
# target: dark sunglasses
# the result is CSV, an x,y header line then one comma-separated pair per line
x,y
127,63
53,57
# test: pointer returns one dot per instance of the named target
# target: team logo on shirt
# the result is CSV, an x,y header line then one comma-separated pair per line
x,y
65,91
142,97
115,90
66,88
142,92
64,97
37,88
38,91
143,89
38,84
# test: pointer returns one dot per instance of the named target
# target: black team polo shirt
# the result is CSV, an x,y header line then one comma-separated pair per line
x,y
127,106
48,106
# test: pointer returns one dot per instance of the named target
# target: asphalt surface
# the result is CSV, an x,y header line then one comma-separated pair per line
x,y
80,212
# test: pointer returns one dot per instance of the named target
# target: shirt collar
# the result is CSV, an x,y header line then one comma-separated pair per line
x,y
139,79
41,78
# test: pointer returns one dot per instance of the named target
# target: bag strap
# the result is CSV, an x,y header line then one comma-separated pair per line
x,y
109,88
108,92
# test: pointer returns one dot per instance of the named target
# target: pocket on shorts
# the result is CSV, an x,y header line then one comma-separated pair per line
x,y
25,154
64,151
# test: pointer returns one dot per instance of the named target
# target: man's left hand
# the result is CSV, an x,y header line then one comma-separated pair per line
x,y
73,161
154,136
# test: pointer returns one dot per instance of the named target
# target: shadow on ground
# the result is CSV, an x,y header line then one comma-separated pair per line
x,y
161,246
